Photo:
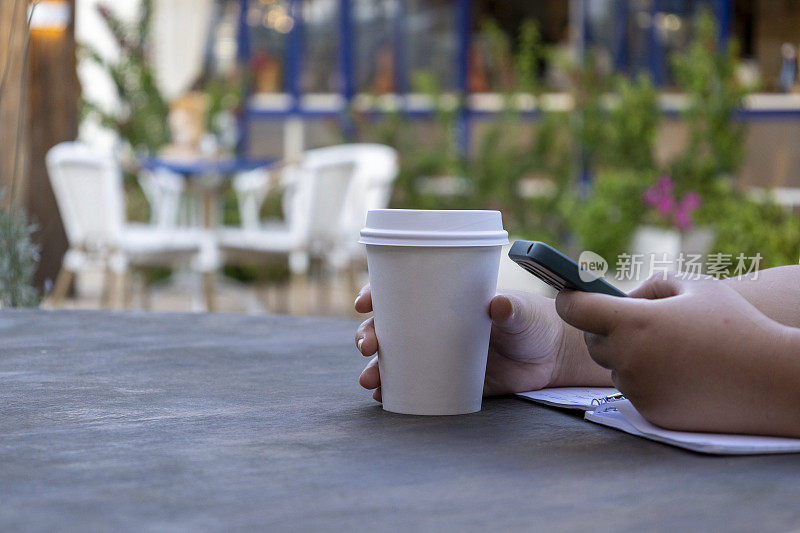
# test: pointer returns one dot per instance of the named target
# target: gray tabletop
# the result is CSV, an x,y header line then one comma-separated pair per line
x,y
224,422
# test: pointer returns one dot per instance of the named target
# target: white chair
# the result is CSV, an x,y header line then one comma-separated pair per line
x,y
376,168
163,190
88,188
252,188
325,201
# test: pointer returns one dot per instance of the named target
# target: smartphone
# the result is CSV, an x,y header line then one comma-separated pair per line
x,y
558,270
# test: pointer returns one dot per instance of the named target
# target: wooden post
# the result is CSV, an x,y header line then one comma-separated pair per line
x,y
52,106
13,21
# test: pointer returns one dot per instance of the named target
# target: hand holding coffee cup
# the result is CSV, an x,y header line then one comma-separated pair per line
x,y
432,277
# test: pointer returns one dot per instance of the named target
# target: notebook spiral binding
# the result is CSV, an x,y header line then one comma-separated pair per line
x,y
608,399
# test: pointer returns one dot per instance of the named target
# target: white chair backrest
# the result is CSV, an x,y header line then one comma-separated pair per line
x,y
87,184
315,201
328,193
163,190
375,168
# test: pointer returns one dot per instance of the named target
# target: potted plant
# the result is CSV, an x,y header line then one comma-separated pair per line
x,y
668,224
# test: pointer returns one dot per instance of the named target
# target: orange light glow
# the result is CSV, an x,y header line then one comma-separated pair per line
x,y
49,18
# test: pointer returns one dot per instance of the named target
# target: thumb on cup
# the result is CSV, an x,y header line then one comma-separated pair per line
x,y
510,313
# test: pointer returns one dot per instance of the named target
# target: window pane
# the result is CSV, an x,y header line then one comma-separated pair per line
x,y
674,30
321,44
603,32
222,59
638,36
269,24
431,40
496,27
375,63
634,37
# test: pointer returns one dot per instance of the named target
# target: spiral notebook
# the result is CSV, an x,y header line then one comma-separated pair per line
x,y
606,406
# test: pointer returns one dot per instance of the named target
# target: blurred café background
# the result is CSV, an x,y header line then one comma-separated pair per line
x,y
220,155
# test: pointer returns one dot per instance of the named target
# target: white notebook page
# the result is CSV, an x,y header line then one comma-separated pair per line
x,y
623,415
569,397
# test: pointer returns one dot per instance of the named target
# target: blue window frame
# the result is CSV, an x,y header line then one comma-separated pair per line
x,y
629,51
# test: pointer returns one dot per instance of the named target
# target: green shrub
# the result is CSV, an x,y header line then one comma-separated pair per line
x,y
18,259
715,148
606,221
749,227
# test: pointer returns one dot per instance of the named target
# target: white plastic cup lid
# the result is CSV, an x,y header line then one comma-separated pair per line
x,y
419,227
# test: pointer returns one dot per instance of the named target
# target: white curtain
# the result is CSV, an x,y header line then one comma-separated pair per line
x,y
180,32
180,29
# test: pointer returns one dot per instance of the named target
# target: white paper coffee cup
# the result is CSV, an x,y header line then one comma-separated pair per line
x,y
433,274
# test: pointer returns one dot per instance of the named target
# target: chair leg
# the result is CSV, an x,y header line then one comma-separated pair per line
x,y
353,285
209,290
105,292
325,282
63,281
279,298
352,278
147,300
116,294
298,293
129,288
299,263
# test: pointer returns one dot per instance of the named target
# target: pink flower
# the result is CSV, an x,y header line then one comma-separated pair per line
x,y
650,197
683,219
661,197
683,211
665,185
665,205
692,200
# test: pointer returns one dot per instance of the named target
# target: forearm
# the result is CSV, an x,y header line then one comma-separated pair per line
x,y
779,384
774,291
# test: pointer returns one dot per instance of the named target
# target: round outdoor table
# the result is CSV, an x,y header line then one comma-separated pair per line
x,y
204,177
193,167
201,422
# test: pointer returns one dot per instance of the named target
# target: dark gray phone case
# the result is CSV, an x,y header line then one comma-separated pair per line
x,y
556,269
